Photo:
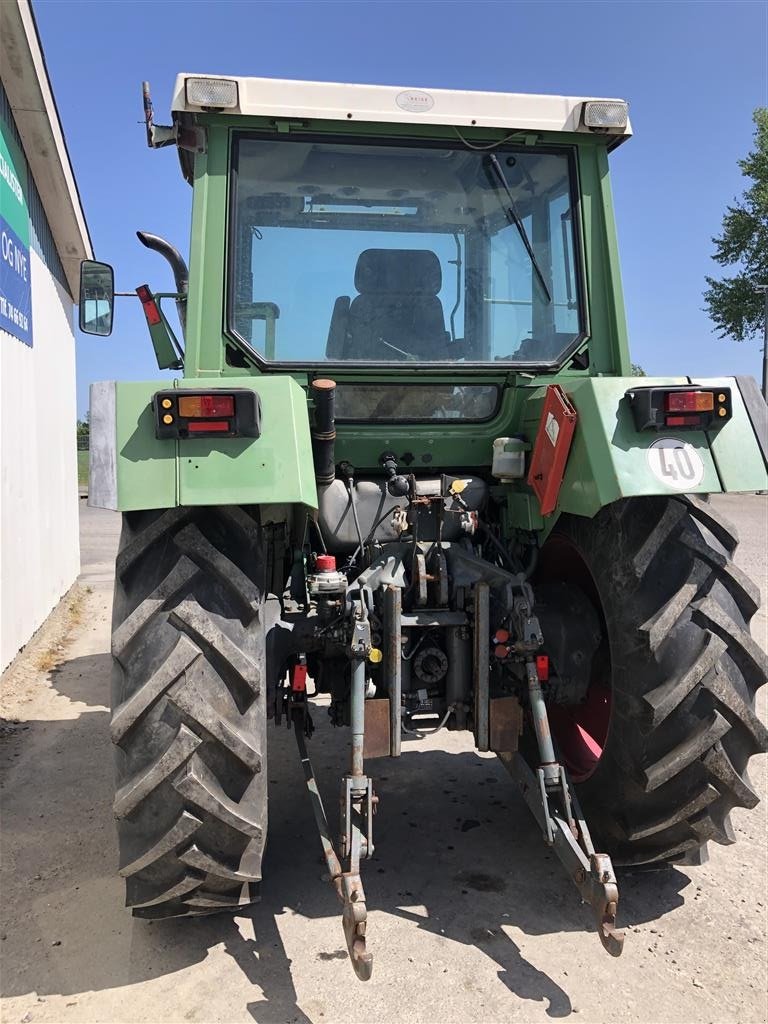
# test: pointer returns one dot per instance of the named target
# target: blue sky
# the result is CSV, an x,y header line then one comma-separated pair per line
x,y
692,72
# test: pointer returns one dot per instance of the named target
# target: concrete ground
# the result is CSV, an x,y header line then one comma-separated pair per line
x,y
471,918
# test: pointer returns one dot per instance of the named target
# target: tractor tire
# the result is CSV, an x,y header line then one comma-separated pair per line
x,y
188,710
674,685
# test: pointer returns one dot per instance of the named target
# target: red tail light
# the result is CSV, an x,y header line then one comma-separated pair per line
x,y
687,407
182,413
690,401
148,304
206,426
207,405
684,421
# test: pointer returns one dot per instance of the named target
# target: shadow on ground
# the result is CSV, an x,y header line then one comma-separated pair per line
x,y
452,837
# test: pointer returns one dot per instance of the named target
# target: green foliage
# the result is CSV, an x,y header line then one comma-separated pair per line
x,y
734,305
638,371
82,468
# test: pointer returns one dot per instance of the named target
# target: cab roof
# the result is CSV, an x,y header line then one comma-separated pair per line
x,y
334,101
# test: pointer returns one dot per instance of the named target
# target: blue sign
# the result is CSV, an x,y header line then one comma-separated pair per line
x,y
15,286
15,271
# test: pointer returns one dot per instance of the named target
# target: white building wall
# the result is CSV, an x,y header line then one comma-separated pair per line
x,y
39,546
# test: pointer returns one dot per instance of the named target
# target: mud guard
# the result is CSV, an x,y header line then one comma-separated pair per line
x,y
610,459
131,469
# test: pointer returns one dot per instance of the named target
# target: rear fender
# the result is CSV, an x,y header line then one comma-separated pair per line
x,y
131,469
609,457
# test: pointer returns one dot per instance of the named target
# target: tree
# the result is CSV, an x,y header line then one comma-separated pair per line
x,y
638,371
734,304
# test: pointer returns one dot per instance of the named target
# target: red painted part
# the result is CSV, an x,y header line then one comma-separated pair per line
x,y
501,637
147,300
325,563
580,730
552,447
542,667
299,678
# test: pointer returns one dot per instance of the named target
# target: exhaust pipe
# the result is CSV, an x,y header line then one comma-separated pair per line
x,y
324,430
178,266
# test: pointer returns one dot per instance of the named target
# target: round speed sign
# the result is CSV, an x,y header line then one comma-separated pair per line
x,y
675,463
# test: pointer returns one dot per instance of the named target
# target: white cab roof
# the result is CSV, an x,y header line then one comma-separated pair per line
x,y
284,99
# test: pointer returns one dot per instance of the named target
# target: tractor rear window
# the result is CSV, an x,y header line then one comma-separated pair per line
x,y
378,254
414,403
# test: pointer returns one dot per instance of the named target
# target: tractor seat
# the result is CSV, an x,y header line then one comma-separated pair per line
x,y
397,306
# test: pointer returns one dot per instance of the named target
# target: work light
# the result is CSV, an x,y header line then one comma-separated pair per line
x,y
604,113
220,93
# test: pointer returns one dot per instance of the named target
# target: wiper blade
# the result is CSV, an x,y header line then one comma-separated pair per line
x,y
514,218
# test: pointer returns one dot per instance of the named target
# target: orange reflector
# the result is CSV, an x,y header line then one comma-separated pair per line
x,y
690,401
206,405
200,426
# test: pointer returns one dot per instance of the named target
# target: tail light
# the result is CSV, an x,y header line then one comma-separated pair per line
x,y
685,407
185,413
191,406
689,401
149,305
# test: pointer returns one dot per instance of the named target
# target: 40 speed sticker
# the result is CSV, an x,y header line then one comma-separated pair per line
x,y
675,463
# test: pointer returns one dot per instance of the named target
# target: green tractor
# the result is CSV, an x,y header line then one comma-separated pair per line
x,y
405,466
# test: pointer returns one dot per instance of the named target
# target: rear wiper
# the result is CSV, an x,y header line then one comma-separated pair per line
x,y
514,218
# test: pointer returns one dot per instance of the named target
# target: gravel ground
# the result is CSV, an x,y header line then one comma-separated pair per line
x,y
471,918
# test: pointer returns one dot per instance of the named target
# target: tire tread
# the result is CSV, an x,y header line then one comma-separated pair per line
x,y
189,711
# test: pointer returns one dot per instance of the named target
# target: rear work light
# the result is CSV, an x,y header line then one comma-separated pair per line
x,y
186,413
211,93
685,407
601,115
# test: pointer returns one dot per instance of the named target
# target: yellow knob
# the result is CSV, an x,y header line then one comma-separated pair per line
x,y
375,655
166,403
167,419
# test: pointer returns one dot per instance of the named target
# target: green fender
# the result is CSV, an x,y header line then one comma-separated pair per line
x,y
131,469
609,458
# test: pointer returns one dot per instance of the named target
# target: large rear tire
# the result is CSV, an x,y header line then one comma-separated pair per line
x,y
188,710
671,705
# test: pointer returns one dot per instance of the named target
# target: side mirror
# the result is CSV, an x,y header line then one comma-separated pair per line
x,y
97,298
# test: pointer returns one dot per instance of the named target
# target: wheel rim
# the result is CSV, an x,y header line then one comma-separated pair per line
x,y
581,730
